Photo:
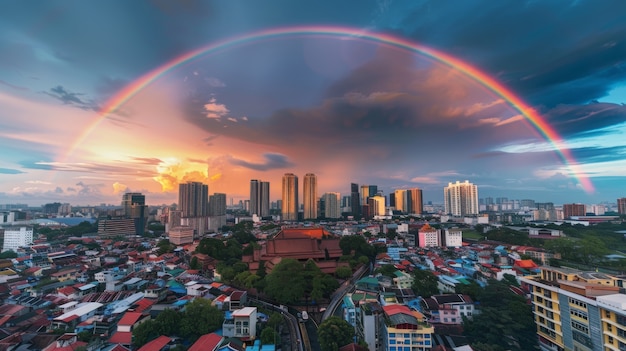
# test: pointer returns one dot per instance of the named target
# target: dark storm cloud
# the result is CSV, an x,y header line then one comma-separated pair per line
x,y
10,171
71,98
272,161
550,52
583,120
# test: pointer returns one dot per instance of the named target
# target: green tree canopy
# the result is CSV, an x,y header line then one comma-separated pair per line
x,y
334,333
505,322
269,336
425,283
200,318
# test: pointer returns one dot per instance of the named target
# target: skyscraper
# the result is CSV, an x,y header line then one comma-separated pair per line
x,y
355,205
331,205
309,194
131,202
290,197
376,206
259,198
461,199
400,200
217,204
415,204
193,199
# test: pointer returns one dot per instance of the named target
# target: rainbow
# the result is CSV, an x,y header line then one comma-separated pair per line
x,y
483,78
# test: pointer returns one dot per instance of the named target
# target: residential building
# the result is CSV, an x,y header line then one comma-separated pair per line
x,y
193,199
290,202
406,330
571,210
369,325
569,312
376,206
621,206
241,324
259,198
181,235
16,237
309,195
428,236
452,237
331,207
461,199
448,308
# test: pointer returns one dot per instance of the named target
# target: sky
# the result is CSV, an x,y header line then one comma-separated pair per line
x,y
525,99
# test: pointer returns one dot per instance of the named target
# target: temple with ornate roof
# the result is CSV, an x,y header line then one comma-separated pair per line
x,y
301,244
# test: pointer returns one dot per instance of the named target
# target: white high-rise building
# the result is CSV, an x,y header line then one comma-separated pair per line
x,y
461,199
309,194
332,208
16,237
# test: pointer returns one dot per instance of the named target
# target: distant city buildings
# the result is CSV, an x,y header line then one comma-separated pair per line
x,y
461,199
330,206
193,199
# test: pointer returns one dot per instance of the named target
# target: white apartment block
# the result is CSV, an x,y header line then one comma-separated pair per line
x,y
453,237
16,237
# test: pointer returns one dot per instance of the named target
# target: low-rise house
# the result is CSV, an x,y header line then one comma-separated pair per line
x,y
158,344
125,326
66,342
241,324
80,313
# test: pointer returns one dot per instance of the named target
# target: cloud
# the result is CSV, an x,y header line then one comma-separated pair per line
x,y
89,189
10,171
172,172
272,161
13,86
71,98
215,110
119,188
214,82
37,182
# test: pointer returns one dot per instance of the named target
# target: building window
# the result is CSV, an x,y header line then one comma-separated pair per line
x,y
607,313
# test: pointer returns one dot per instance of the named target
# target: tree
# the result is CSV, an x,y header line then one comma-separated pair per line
x,y
387,270
505,322
343,272
391,234
145,332
334,333
8,254
473,290
168,322
275,320
194,264
425,283
200,318
269,336
285,283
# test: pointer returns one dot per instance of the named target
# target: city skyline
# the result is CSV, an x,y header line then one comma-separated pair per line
x,y
403,94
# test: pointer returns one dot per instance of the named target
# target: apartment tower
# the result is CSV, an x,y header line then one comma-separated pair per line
x,y
290,197
259,198
309,195
193,199
461,199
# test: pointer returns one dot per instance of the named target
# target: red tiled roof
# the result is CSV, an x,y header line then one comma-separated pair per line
x,y
125,338
395,309
130,318
156,344
119,347
525,264
207,342
144,304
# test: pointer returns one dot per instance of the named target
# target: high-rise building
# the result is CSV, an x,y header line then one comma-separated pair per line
x,y
217,204
365,194
259,198
400,200
571,210
130,199
578,310
16,237
193,199
414,201
331,208
461,199
290,197
355,205
621,206
309,195
376,205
